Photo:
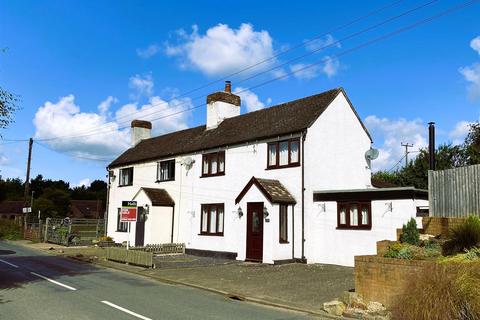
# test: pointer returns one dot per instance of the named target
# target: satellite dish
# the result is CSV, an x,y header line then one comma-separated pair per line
x,y
371,154
188,161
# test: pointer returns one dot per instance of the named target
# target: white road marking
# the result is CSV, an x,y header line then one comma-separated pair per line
x,y
10,264
125,310
53,281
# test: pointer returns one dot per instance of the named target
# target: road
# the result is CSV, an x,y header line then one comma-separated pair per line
x,y
35,285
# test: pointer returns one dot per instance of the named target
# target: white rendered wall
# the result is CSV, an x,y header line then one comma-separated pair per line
x,y
334,246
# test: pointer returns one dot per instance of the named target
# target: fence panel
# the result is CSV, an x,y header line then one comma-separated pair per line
x,y
137,257
454,192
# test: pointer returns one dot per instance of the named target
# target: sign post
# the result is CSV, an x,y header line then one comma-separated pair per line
x,y
128,214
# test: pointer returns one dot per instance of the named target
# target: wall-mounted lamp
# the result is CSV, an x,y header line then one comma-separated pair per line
x,y
240,212
111,176
389,206
146,211
265,212
322,207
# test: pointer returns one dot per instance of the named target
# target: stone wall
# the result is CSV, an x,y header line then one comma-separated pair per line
x,y
439,225
383,279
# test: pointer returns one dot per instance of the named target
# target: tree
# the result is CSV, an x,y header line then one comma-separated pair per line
x,y
472,144
8,106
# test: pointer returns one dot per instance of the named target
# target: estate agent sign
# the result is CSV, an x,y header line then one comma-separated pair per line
x,y
129,211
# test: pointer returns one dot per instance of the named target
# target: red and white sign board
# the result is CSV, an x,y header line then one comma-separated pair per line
x,y
128,212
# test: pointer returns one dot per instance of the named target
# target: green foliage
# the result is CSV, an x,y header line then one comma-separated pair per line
x,y
410,233
463,237
441,291
400,251
472,144
8,106
472,254
9,230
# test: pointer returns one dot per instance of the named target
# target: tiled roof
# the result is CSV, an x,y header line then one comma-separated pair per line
x,y
159,197
87,208
12,207
273,190
290,117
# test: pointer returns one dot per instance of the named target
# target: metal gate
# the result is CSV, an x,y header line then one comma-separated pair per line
x,y
73,232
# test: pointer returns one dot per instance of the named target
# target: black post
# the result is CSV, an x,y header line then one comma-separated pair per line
x,y
431,145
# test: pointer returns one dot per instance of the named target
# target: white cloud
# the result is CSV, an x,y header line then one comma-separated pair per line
x,y
319,44
460,131
149,51
250,99
390,134
475,44
141,85
222,49
303,71
105,105
84,182
471,73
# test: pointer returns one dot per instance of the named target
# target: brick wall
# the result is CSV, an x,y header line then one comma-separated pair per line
x,y
383,279
440,226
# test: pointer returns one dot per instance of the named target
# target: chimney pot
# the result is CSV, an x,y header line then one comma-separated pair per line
x,y
228,86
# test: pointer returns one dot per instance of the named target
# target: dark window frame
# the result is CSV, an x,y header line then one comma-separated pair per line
x,y
277,154
282,220
360,206
210,157
121,226
172,175
207,206
130,180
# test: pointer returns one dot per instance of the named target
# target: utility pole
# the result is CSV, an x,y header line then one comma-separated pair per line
x,y
27,180
406,145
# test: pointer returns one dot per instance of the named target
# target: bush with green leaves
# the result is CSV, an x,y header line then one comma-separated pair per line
x,y
463,237
410,233
9,230
400,251
472,254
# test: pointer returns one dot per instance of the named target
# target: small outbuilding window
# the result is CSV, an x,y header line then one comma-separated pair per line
x,y
121,226
213,164
283,223
126,177
166,171
283,154
354,215
211,221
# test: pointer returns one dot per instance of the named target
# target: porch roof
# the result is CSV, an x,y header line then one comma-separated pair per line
x,y
158,197
273,190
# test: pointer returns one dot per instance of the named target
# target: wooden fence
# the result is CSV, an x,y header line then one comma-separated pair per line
x,y
136,257
165,248
454,192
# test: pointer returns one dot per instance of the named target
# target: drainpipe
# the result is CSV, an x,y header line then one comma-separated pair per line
x,y
304,133
293,232
173,223
107,200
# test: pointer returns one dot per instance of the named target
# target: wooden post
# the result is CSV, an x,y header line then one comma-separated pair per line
x,y
45,239
27,179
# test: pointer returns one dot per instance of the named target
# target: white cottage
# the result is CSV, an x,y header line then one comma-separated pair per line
x,y
286,183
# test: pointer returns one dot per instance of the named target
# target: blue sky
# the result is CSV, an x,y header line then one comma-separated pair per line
x,y
87,68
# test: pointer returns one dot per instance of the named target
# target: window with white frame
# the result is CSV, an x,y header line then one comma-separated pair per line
x,y
166,171
126,177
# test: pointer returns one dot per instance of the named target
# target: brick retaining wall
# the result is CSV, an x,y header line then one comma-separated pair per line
x,y
439,225
384,279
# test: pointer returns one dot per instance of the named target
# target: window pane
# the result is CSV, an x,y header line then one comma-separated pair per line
x,y
255,222
205,165
283,150
343,215
294,151
213,219
365,215
204,219
272,154
220,219
221,162
353,215
213,163
283,223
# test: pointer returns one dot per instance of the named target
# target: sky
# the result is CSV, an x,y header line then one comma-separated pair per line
x,y
84,70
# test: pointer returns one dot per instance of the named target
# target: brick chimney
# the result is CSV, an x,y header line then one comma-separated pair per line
x,y
140,130
222,105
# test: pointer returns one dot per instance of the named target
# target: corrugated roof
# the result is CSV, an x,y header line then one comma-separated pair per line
x,y
290,117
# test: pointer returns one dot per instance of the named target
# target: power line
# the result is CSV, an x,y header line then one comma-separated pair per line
x,y
268,59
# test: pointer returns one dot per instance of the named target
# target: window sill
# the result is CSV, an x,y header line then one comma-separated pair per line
x,y
284,242
367,228
125,185
122,231
293,165
212,175
211,234
159,181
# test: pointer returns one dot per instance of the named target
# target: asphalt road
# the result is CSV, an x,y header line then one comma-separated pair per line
x,y
38,286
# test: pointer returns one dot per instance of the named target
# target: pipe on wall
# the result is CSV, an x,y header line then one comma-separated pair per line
x,y
304,133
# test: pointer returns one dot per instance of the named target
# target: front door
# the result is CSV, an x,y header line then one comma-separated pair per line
x,y
140,228
254,231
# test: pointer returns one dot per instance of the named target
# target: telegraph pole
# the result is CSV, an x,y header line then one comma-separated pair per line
x,y
406,145
27,180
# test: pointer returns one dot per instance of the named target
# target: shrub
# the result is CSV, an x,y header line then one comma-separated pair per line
x,y
9,230
105,238
463,237
472,254
446,291
400,251
410,233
